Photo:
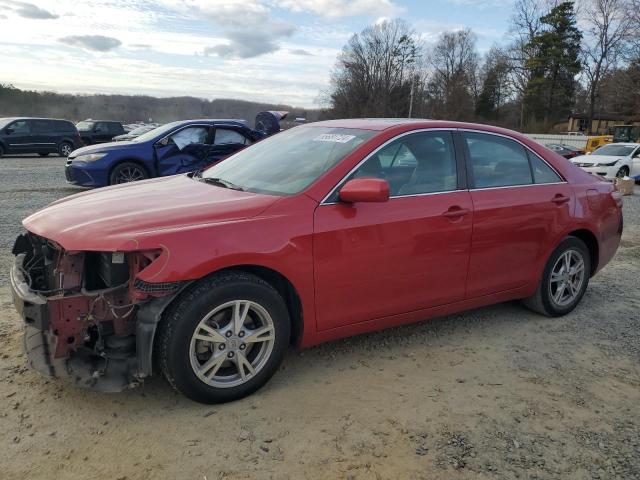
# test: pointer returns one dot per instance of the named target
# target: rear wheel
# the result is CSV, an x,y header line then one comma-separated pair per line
x,y
564,280
127,172
1,150
224,338
65,149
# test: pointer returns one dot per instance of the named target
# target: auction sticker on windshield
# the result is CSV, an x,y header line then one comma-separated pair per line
x,y
334,137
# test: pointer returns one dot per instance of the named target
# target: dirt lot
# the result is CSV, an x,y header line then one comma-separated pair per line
x,y
494,393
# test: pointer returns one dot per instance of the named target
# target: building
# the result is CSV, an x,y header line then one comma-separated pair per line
x,y
601,124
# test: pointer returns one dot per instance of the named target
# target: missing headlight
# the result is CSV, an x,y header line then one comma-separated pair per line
x,y
105,270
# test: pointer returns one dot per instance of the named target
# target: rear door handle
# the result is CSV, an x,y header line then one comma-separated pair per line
x,y
456,212
560,199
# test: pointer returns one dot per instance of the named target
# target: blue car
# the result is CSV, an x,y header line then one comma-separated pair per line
x,y
173,148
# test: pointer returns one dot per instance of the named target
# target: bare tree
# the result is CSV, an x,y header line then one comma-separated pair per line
x,y
525,25
608,25
373,74
452,86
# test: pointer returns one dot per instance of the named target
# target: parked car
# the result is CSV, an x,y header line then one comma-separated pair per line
x,y
99,131
612,160
567,151
323,231
38,135
136,132
176,147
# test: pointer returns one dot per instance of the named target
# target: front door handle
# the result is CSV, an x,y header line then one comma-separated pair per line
x,y
456,212
559,199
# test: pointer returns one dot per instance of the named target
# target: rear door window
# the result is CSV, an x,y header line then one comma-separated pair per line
x,y
226,136
42,126
497,161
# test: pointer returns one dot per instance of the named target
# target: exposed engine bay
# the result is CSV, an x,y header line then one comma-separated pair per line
x,y
86,314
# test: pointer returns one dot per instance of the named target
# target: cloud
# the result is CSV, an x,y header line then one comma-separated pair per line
x,y
247,27
340,8
28,10
98,43
301,51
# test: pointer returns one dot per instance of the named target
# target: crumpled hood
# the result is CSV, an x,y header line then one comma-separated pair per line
x,y
593,159
122,216
101,147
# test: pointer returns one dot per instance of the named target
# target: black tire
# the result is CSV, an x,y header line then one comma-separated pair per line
x,y
1,150
180,322
623,172
65,149
43,154
542,300
127,172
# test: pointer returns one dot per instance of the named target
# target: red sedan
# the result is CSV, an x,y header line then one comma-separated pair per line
x,y
320,232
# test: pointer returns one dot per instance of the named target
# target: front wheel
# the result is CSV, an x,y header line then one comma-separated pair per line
x,y
623,172
224,338
564,280
127,172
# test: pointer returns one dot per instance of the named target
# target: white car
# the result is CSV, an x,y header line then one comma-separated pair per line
x,y
612,160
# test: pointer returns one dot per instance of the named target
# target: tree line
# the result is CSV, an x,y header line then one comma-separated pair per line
x,y
560,57
132,108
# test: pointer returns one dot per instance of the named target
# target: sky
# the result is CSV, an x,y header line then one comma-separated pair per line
x,y
277,51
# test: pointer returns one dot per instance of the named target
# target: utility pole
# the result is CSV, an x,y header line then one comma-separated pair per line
x,y
411,96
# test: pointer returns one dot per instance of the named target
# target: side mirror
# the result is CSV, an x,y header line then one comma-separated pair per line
x,y
8,130
365,190
163,143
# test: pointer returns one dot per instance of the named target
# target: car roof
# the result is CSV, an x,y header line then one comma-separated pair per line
x,y
380,124
103,121
35,118
624,144
215,121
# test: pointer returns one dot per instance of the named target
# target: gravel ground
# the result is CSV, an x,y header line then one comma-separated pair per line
x,y
494,393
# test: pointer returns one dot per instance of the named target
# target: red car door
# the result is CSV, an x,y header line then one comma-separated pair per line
x,y
373,260
520,204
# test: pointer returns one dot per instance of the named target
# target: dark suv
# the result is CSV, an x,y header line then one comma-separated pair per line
x,y
38,135
99,131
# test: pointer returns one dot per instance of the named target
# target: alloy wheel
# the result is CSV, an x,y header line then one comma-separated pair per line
x,y
129,174
232,343
567,277
66,150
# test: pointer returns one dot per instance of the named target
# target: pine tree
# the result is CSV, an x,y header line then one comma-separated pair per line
x,y
554,66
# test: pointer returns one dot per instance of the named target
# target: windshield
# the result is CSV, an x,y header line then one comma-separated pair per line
x,y
614,150
288,162
5,121
84,126
156,132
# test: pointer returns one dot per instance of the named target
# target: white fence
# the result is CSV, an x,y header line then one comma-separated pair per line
x,y
579,141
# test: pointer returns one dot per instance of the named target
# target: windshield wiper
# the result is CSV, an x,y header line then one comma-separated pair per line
x,y
220,182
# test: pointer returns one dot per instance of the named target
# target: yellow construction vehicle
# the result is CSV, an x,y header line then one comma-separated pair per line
x,y
626,133
597,141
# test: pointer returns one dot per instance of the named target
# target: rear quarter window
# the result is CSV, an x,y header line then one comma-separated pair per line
x,y
64,127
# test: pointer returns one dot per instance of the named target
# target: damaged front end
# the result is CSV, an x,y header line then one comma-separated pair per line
x,y
87,315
